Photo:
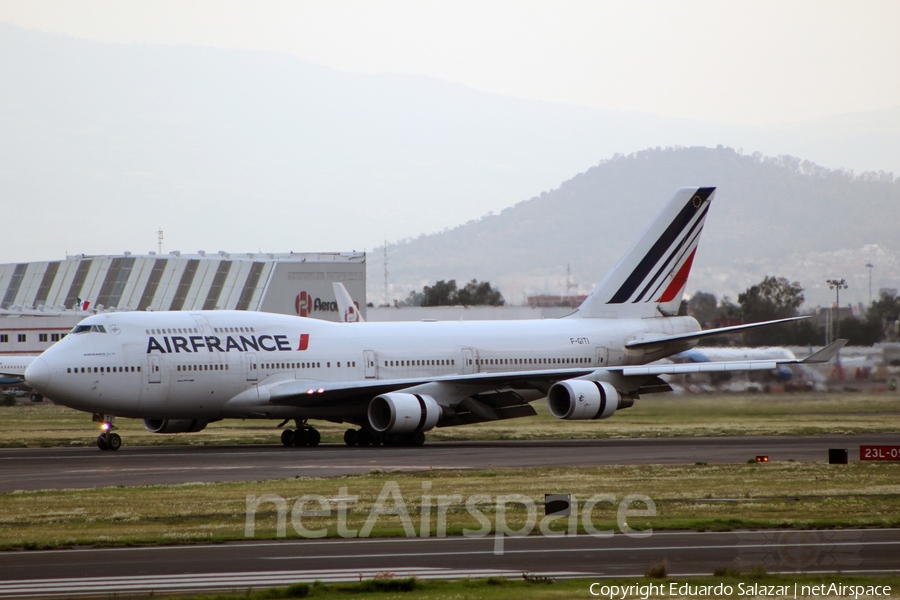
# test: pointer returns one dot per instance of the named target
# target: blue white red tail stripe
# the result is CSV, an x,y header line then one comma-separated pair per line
x,y
663,245
684,246
651,277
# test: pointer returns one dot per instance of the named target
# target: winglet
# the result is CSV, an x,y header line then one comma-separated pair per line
x,y
825,354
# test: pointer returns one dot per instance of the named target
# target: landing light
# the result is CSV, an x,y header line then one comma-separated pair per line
x,y
320,390
104,427
762,459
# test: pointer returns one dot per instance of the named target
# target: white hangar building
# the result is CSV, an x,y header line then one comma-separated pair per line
x,y
41,301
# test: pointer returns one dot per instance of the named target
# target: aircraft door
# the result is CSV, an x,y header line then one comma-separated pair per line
x,y
602,358
371,366
154,372
469,361
202,323
613,357
250,366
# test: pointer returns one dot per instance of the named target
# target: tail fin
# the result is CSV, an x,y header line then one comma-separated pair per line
x,y
649,280
348,309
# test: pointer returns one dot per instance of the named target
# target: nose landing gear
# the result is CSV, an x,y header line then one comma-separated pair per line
x,y
108,439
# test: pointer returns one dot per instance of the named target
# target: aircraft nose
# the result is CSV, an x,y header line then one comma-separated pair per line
x,y
37,374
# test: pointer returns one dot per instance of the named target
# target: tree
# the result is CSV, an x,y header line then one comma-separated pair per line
x,y
414,299
480,293
772,298
860,332
703,307
442,293
475,293
884,313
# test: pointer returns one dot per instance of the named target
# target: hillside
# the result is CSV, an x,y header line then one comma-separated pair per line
x,y
775,215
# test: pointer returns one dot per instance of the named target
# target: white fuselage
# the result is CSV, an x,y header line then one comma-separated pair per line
x,y
190,365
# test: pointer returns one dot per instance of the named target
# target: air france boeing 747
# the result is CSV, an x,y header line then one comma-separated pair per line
x,y
179,371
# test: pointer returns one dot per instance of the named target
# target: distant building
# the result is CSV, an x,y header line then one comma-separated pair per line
x,y
464,313
41,301
550,301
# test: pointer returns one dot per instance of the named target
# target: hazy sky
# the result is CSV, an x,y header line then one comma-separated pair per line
x,y
747,63
752,62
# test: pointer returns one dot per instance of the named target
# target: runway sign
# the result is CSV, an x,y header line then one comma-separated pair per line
x,y
879,453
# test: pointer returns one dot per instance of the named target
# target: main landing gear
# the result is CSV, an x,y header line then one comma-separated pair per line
x,y
304,435
108,440
364,437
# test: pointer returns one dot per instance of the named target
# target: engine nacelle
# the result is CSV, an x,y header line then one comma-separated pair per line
x,y
578,399
400,412
175,425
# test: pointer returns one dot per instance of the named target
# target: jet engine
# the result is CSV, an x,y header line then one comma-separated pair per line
x,y
174,425
400,412
578,399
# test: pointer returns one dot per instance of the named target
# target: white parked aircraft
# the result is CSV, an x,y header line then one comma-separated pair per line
x,y
178,371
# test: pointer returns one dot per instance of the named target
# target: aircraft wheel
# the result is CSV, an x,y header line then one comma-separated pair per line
x,y
351,438
101,442
113,441
417,439
301,437
287,437
313,437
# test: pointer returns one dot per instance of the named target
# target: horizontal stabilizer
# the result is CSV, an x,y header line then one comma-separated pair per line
x,y
822,356
825,354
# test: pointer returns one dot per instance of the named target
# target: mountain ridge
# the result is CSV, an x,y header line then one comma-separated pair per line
x,y
768,211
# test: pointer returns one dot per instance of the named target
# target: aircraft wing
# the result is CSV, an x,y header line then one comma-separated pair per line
x,y
483,395
309,393
657,343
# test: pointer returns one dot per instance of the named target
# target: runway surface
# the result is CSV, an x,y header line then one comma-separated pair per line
x,y
62,468
237,566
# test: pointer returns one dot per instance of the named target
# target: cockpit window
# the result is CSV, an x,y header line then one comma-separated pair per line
x,y
89,329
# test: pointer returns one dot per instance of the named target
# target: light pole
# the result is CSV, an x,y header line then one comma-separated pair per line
x,y
870,266
837,285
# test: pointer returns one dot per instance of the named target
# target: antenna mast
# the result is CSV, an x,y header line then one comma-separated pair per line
x,y
159,239
385,273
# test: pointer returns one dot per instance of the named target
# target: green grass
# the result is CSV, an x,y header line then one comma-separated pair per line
x,y
661,415
697,497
